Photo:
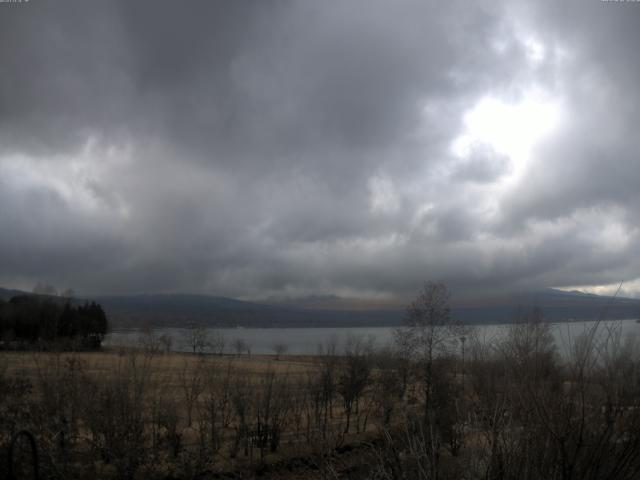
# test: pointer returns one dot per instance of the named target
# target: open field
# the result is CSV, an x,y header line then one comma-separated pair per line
x,y
169,365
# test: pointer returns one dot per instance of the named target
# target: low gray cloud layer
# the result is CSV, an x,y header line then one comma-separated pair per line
x,y
293,148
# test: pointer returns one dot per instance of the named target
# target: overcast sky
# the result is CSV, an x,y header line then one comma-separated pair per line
x,y
291,148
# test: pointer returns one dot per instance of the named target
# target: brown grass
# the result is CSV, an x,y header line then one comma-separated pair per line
x,y
27,364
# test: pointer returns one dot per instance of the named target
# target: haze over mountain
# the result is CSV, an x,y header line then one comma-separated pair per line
x,y
179,310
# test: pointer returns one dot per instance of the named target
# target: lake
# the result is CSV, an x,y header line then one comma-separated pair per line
x,y
306,340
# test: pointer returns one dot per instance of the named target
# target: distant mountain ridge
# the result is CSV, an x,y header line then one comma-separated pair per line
x,y
175,310
7,293
180,309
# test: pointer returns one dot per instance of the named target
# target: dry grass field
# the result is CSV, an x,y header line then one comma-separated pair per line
x,y
167,365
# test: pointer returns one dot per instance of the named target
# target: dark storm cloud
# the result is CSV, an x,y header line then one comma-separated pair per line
x,y
285,148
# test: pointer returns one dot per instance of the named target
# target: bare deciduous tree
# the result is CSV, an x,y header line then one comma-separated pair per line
x,y
192,385
240,346
279,348
429,331
354,375
196,338
166,341
217,342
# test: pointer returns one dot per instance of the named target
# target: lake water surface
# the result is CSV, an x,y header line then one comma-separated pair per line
x,y
306,340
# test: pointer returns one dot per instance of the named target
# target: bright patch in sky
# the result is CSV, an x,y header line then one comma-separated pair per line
x,y
535,50
74,179
629,288
383,197
511,129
